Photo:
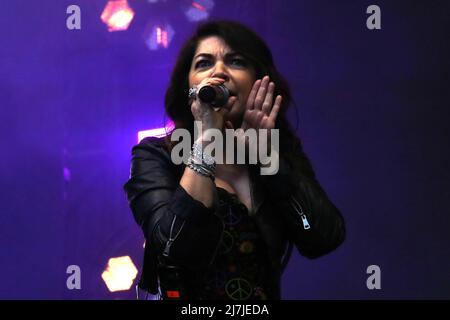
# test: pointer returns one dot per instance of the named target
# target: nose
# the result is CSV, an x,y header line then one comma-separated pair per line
x,y
220,71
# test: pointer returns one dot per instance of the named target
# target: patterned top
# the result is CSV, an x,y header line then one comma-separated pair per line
x,y
241,266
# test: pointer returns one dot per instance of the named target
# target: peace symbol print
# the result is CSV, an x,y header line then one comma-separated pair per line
x,y
238,289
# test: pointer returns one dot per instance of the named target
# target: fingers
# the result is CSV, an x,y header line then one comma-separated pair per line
x,y
230,102
210,81
267,104
252,95
215,81
229,125
227,107
276,108
261,94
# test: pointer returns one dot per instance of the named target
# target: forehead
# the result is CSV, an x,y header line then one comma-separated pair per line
x,y
213,45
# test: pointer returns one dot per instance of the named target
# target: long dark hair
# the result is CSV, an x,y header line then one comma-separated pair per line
x,y
247,43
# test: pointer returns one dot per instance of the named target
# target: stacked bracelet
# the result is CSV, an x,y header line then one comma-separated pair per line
x,y
201,163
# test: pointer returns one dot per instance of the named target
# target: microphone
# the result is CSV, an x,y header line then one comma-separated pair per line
x,y
216,96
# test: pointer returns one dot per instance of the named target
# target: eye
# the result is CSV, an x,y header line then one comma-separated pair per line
x,y
240,62
202,63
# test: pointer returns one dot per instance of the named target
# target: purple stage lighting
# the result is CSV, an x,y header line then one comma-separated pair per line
x,y
157,132
198,10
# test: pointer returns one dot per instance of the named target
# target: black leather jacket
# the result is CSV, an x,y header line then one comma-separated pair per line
x,y
289,209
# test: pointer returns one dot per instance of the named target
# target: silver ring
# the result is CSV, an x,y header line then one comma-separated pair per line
x,y
192,93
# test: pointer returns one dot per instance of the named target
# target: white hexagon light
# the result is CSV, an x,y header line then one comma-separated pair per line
x,y
119,274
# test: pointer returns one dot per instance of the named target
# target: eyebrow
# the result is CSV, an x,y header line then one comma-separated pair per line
x,y
210,56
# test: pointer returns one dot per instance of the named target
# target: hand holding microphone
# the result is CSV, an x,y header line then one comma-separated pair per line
x,y
215,95
210,101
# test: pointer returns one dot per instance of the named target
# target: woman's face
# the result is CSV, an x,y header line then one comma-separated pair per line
x,y
214,58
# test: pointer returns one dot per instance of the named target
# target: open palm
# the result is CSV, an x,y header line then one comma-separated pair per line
x,y
261,113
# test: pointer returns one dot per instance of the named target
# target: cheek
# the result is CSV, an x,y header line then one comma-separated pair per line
x,y
191,80
247,86
247,82
194,78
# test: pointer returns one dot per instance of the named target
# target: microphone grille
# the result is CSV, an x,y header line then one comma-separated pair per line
x,y
207,94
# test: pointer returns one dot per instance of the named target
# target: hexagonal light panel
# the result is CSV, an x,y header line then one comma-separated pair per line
x,y
198,10
119,274
117,15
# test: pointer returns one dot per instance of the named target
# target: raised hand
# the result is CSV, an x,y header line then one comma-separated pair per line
x,y
261,113
210,117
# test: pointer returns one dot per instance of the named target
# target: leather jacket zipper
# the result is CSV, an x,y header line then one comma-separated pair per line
x,y
169,242
298,208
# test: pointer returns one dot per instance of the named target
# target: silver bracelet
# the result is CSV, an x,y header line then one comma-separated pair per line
x,y
199,156
201,163
201,170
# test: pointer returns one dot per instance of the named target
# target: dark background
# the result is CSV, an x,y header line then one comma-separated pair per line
x,y
373,110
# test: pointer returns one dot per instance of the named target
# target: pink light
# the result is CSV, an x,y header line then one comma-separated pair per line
x,y
198,6
164,41
158,132
198,10
158,35
117,15
161,37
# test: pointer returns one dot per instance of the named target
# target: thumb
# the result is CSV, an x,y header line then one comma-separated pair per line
x,y
230,102
228,106
229,125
